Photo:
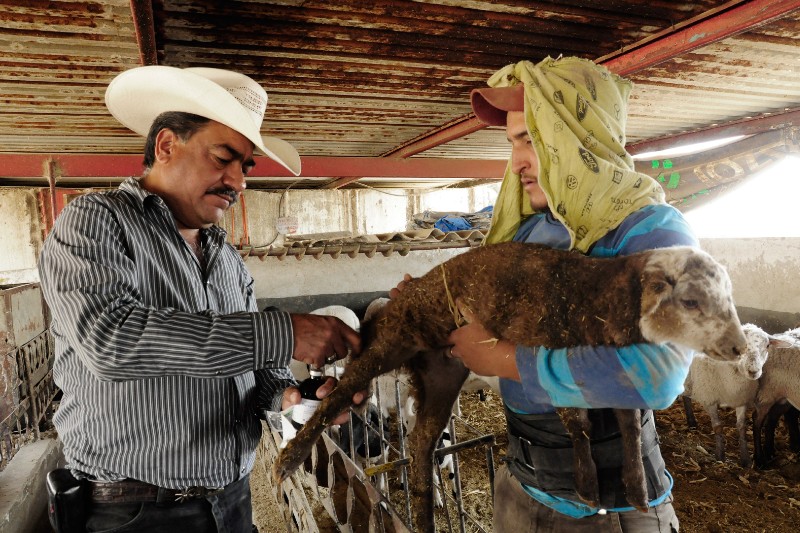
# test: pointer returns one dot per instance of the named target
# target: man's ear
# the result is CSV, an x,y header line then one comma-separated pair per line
x,y
166,140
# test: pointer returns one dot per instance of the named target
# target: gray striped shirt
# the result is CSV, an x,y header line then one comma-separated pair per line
x,y
163,363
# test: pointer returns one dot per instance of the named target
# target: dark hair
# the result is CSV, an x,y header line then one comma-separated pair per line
x,y
184,125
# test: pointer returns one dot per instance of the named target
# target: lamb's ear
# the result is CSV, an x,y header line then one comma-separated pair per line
x,y
656,287
775,342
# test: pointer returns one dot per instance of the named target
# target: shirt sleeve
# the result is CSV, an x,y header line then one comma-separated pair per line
x,y
639,376
90,283
270,384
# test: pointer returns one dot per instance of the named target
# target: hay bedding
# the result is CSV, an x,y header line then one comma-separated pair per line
x,y
710,496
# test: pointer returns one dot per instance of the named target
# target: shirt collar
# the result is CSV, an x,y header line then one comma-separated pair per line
x,y
144,197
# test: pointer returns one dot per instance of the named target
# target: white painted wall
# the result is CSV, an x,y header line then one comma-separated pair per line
x,y
352,211
765,272
289,277
20,235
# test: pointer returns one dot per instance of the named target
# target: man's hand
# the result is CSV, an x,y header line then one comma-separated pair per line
x,y
291,396
319,338
482,352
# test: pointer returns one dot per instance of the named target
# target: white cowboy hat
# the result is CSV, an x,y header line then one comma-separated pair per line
x,y
137,96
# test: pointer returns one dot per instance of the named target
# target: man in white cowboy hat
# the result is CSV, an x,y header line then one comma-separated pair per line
x,y
162,356
570,184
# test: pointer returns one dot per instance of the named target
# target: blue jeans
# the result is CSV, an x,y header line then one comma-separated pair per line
x,y
228,512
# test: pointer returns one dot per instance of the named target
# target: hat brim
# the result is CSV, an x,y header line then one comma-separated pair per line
x,y
137,96
491,105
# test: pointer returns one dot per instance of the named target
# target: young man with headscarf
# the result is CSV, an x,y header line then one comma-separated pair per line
x,y
571,185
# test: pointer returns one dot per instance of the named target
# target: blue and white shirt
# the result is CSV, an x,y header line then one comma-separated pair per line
x,y
640,376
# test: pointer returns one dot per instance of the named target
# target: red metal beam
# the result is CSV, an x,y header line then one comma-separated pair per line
x,y
119,166
731,129
442,135
674,43
142,12
693,36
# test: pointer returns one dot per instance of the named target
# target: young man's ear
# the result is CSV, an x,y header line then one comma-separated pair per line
x,y
165,144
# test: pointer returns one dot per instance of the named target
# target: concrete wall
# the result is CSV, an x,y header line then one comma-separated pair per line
x,y
348,212
765,273
20,235
302,286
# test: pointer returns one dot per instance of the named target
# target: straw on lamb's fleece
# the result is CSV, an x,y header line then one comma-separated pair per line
x,y
533,296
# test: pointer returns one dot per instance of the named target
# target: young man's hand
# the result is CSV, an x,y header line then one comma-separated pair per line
x,y
482,352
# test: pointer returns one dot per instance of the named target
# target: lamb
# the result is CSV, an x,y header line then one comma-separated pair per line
x,y
779,384
564,299
716,384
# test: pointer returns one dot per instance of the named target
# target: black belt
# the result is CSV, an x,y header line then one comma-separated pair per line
x,y
132,491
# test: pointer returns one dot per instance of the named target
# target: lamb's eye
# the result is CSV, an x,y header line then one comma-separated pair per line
x,y
690,304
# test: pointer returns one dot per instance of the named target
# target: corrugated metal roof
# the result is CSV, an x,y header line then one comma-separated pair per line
x,y
363,78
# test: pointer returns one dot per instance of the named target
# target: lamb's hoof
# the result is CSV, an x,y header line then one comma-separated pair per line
x,y
280,473
284,467
587,487
591,501
639,502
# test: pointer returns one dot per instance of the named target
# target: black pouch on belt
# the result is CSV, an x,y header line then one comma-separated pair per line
x,y
66,501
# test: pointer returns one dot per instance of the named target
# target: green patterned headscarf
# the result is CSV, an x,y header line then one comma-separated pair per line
x,y
575,111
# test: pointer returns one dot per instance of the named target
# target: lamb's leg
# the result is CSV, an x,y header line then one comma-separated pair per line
x,y
630,428
438,380
691,421
378,359
577,423
741,428
791,419
716,425
759,415
771,425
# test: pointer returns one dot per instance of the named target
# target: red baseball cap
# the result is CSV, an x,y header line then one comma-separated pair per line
x,y
492,104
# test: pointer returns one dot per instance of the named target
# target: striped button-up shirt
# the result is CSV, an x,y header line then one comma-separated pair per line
x,y
163,362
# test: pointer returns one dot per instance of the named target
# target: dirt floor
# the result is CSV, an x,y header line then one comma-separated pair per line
x,y
710,496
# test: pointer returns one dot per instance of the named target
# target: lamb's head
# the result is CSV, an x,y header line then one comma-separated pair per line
x,y
758,342
686,300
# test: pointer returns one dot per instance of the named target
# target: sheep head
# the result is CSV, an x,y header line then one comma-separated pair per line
x,y
686,300
758,342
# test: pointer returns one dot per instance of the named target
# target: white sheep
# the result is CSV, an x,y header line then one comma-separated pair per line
x,y
791,418
715,384
780,383
533,296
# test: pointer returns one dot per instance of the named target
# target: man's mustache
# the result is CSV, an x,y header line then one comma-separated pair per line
x,y
230,193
